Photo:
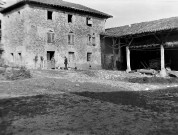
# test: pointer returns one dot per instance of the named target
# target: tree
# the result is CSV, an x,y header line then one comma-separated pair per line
x,y
116,48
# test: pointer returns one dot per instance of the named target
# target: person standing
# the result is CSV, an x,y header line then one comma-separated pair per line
x,y
65,63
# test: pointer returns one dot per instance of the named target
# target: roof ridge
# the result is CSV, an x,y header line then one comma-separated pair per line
x,y
155,20
59,3
145,27
118,27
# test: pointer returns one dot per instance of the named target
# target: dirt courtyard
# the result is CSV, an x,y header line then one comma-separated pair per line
x,y
88,103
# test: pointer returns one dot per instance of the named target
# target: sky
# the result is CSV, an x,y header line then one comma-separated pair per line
x,y
127,12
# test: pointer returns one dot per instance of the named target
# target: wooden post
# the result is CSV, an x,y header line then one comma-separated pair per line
x,y
119,54
114,59
115,56
128,59
163,70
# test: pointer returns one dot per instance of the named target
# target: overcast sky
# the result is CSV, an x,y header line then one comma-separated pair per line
x,y
131,11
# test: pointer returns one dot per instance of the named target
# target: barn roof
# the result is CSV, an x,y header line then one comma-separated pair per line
x,y
143,27
57,4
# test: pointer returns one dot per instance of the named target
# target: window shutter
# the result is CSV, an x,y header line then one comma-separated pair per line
x,y
48,34
93,41
72,39
52,37
69,38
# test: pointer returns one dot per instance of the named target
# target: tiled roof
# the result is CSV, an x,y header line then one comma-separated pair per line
x,y
61,4
144,27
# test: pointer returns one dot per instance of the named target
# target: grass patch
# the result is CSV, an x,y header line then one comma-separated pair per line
x,y
2,70
16,74
89,73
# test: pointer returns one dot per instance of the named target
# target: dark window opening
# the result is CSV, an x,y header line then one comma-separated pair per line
x,y
89,56
19,12
89,21
69,18
50,55
50,15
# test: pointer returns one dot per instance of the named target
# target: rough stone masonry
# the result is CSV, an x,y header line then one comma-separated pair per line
x,y
34,34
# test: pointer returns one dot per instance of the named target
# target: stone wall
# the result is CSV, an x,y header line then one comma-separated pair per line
x,y
25,32
13,36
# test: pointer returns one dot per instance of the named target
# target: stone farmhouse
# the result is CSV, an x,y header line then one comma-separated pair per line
x,y
40,33
146,45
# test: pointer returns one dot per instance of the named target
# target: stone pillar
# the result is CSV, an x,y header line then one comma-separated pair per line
x,y
163,70
128,59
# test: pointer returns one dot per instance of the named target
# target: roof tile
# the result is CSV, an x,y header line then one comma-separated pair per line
x,y
143,27
64,4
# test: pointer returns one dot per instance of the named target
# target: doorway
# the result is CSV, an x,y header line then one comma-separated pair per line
x,y
50,60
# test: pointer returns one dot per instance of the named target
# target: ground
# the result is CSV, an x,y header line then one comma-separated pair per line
x,y
89,103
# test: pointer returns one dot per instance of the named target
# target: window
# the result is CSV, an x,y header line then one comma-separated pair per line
x,y
69,18
89,56
89,39
93,40
50,37
50,15
71,56
71,38
89,21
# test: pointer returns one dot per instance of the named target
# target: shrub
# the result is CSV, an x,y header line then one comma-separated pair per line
x,y
2,70
15,74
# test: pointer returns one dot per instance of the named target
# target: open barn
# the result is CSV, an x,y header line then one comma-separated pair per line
x,y
146,45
